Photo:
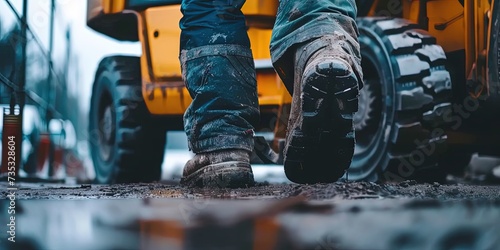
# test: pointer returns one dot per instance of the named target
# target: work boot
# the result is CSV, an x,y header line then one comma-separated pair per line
x,y
223,169
320,136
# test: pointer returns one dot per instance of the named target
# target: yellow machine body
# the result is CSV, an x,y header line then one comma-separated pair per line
x,y
158,32
457,26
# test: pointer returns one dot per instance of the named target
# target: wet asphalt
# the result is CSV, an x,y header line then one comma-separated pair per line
x,y
343,215
340,190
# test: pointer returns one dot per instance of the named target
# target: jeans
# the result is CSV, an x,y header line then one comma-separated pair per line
x,y
218,68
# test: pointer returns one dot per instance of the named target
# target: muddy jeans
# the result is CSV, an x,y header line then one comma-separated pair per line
x,y
218,68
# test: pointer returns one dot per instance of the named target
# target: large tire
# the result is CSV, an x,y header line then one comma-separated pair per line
x,y
126,143
399,126
493,64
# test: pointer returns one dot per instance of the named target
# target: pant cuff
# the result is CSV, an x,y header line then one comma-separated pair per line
x,y
222,142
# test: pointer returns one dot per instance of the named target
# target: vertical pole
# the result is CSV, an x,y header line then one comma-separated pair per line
x,y
52,88
22,79
21,94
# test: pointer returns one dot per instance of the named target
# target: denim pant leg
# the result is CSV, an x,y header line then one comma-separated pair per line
x,y
207,22
218,69
299,21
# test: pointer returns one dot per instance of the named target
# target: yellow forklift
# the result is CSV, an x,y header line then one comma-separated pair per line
x,y
430,100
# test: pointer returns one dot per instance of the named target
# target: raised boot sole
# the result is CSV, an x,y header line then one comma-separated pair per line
x,y
321,149
231,174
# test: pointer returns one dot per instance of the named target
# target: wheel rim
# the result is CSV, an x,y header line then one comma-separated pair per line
x,y
106,127
367,119
369,126
372,124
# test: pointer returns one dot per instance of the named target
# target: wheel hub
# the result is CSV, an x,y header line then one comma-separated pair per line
x,y
106,137
365,115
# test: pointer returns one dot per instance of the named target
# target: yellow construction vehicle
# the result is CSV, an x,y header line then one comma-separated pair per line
x,y
136,99
431,81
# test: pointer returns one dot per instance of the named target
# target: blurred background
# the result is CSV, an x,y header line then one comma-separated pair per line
x,y
62,55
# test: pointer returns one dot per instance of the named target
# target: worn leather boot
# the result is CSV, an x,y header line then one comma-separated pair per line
x,y
222,169
320,136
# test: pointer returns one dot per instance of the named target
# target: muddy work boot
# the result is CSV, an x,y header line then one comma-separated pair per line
x,y
219,169
320,137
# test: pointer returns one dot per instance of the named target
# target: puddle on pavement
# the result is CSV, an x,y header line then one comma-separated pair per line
x,y
291,223
257,233
152,224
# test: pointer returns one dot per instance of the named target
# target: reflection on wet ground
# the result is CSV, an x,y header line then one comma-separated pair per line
x,y
359,215
291,223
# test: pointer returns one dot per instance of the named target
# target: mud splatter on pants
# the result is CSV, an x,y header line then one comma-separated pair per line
x,y
218,67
